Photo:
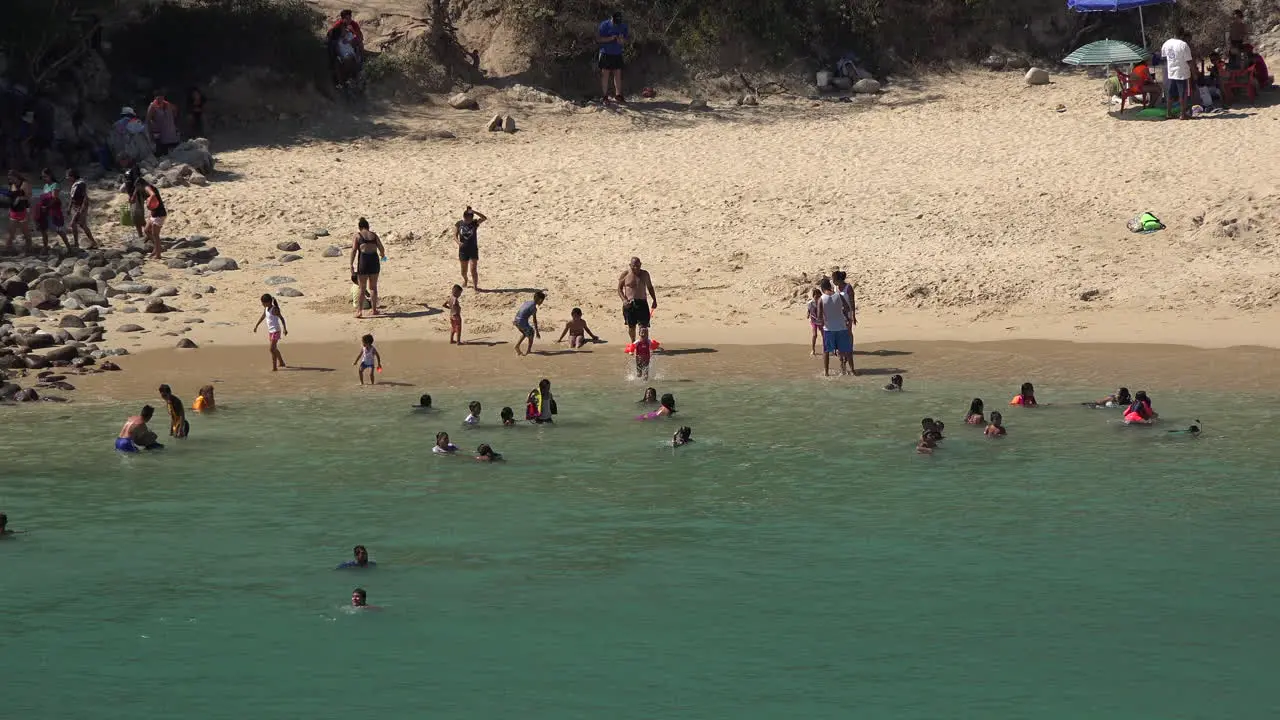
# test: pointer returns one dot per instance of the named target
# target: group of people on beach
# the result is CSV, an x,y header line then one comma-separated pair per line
x,y
833,312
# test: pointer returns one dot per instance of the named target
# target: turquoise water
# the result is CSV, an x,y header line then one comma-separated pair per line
x,y
800,560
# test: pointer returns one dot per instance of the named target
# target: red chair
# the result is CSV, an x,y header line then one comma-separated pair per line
x,y
1132,86
1238,80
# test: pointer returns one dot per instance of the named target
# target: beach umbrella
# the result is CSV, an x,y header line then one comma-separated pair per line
x,y
1107,52
1116,6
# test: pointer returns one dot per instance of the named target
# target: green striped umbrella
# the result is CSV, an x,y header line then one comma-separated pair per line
x,y
1107,52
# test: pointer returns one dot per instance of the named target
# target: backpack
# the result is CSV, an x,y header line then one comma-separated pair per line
x,y
1144,223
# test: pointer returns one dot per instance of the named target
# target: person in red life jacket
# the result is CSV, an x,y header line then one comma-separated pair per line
x,y
344,40
346,21
1026,397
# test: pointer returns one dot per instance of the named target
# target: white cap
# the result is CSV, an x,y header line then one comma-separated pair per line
x,y
126,110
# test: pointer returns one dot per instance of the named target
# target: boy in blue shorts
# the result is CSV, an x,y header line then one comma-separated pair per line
x,y
527,321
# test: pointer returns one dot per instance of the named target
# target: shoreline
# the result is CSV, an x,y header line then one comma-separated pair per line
x,y
416,367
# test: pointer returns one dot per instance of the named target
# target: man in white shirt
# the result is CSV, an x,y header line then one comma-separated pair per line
x,y
1177,64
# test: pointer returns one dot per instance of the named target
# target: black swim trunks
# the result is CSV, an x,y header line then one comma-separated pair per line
x,y
469,251
636,312
610,62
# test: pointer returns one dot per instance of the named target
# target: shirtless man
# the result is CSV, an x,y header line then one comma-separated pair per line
x,y
136,435
632,288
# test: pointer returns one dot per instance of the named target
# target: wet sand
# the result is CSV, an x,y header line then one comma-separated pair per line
x,y
416,367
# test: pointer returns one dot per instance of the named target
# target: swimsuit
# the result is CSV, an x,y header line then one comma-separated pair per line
x,y
368,262
126,445
366,357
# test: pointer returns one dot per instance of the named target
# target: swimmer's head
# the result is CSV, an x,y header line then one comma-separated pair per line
x,y
1027,390
457,291
575,313
1141,396
361,555
996,418
508,416
165,391
685,434
1123,396
975,407
485,451
424,401
650,395
442,440
927,423
1194,429
938,425
669,401
4,522
896,380
539,297
474,407
206,392
147,412
359,598
367,340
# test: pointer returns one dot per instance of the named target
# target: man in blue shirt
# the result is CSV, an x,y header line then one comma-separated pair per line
x,y
362,559
611,36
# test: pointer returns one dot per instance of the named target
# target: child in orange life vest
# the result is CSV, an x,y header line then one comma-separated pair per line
x,y
643,351
1026,397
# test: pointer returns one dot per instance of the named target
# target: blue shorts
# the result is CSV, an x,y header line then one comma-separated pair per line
x,y
837,341
525,327
366,366
126,445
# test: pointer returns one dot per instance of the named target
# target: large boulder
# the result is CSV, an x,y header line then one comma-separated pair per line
x,y
133,288
90,298
52,286
194,153
157,306
71,321
75,282
14,287
36,340
1037,76
66,353
42,301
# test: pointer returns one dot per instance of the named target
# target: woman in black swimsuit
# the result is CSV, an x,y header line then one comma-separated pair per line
x,y
366,252
19,203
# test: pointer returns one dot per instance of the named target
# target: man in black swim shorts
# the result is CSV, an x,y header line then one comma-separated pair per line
x,y
635,287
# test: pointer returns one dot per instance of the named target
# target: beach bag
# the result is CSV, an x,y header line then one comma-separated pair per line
x,y
1145,223
126,215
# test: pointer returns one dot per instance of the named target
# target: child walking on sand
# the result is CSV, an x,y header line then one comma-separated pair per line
x,y
276,328
368,359
527,321
455,315
577,330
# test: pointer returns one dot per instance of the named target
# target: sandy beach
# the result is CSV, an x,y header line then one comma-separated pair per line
x,y
965,208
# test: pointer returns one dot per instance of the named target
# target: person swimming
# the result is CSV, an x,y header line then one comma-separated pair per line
x,y
650,397
1026,396
360,600
508,417
485,453
204,400
361,559
443,446
995,428
975,416
1142,397
473,417
5,532
683,436
931,429
1118,399
667,408
895,384
424,404
1193,430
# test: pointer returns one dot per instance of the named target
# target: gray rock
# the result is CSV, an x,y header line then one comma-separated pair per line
x,y
109,366
36,362
76,281
508,124
198,179
41,300
288,246
867,86
332,251
1037,76
177,264
187,344
36,340
71,303
749,99
93,314
166,291
130,328
66,353
28,395
93,334
60,336
279,280
206,289
50,286
134,288
102,273
71,321
156,306
288,292
290,257
321,232
1089,295
90,297
221,264
14,287
8,391
463,101
129,310
994,61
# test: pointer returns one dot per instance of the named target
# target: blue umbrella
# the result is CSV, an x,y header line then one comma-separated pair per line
x,y
1116,6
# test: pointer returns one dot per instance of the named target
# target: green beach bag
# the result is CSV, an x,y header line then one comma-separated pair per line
x,y
126,215
1145,223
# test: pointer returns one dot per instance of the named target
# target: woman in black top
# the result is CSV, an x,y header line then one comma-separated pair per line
x,y
464,232
366,252
19,205
156,214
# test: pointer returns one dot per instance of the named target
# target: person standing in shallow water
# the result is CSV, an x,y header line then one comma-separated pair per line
x,y
465,233
276,328
366,256
634,288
